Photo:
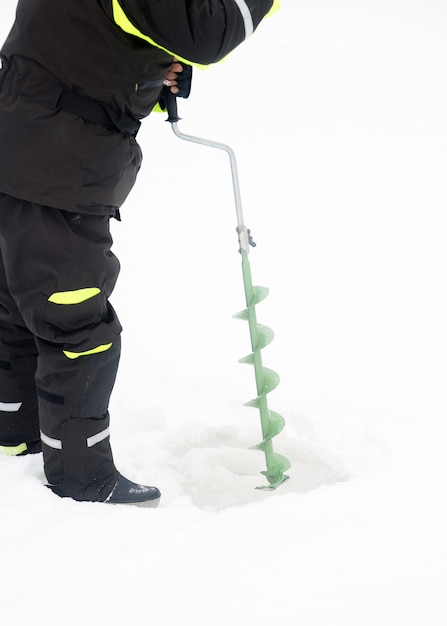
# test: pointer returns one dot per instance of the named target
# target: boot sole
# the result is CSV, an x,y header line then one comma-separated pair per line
x,y
149,504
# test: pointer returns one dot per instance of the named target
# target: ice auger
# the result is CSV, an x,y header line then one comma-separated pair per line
x,y
266,379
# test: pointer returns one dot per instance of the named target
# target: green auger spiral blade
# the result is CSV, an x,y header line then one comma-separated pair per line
x,y
266,380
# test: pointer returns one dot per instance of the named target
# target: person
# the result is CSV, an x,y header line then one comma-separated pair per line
x,y
76,80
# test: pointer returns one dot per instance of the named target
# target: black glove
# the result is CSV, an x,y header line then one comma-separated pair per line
x,y
183,80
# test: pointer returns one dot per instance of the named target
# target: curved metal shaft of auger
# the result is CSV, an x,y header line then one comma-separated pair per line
x,y
242,231
266,380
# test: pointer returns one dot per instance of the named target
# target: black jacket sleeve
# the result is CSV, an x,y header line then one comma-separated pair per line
x,y
200,31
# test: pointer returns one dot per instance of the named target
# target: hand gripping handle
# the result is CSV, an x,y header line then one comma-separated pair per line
x,y
171,105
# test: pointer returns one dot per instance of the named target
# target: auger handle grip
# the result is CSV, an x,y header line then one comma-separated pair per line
x,y
171,105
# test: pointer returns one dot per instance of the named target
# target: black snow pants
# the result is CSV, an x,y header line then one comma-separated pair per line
x,y
59,342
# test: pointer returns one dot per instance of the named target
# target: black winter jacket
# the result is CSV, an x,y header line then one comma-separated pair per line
x,y
115,52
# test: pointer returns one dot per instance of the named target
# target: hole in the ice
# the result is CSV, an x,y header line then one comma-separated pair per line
x,y
217,469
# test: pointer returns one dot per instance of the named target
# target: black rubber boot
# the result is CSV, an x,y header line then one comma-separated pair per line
x,y
79,463
127,492
80,466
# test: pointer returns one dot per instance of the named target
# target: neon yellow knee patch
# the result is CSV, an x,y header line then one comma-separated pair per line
x,y
74,297
76,355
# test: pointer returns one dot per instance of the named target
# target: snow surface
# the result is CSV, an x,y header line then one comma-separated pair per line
x,y
337,114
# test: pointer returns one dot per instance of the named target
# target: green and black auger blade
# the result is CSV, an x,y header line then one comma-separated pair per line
x,y
266,379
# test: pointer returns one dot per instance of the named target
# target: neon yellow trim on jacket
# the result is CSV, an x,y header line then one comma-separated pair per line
x,y
275,7
126,25
76,355
74,297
